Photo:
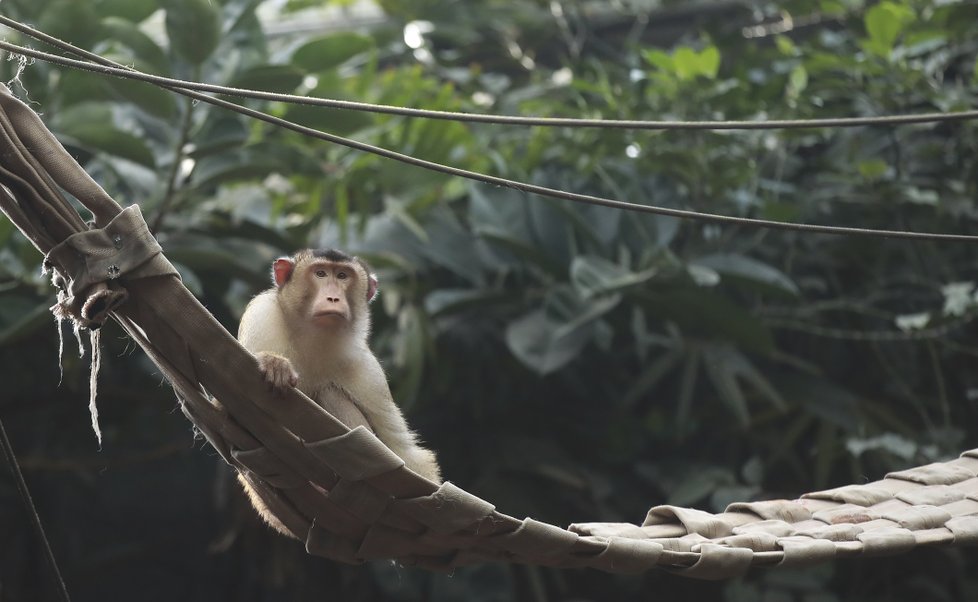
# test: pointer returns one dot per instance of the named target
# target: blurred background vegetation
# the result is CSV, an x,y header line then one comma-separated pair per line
x,y
570,363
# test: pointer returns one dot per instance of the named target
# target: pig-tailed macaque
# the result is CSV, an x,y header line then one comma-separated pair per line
x,y
310,332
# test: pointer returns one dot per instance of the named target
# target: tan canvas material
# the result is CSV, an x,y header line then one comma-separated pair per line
x,y
346,495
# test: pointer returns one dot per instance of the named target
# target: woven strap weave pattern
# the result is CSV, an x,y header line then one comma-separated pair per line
x,y
351,499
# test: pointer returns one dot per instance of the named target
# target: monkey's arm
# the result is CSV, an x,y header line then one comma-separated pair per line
x,y
262,326
262,331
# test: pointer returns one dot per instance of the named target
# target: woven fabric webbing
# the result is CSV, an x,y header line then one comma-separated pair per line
x,y
350,499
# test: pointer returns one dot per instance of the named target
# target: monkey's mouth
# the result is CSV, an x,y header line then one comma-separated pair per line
x,y
329,315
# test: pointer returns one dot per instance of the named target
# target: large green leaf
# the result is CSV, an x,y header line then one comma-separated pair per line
x,y
594,275
269,78
884,24
219,133
553,233
147,97
201,253
824,399
193,27
131,10
452,246
652,374
708,313
120,31
751,271
75,22
547,339
543,344
333,121
726,367
323,54
689,63
90,126
518,249
446,301
699,484
502,217
249,163
498,209
80,87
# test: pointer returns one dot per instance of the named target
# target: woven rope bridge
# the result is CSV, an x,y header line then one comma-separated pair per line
x,y
351,499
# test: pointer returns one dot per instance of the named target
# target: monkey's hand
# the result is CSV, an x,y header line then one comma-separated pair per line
x,y
277,370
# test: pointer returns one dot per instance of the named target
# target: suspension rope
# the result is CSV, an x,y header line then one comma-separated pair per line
x,y
106,66
630,124
25,496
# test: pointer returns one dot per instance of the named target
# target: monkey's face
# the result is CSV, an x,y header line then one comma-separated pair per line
x,y
332,289
326,289
324,293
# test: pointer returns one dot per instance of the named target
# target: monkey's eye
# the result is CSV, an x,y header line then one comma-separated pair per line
x,y
341,275
320,273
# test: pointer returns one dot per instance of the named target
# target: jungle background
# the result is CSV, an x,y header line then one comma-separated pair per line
x,y
567,362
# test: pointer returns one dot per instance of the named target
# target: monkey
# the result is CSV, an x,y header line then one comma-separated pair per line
x,y
310,331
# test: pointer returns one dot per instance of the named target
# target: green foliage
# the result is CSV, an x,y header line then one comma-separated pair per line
x,y
84,125
193,27
685,63
568,362
329,52
884,24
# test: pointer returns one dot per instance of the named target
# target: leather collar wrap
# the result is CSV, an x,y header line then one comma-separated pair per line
x,y
91,266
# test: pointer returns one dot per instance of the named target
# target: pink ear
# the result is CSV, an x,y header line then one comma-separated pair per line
x,y
282,270
371,288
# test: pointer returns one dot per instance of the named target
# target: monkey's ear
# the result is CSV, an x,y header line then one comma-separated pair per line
x,y
371,287
282,270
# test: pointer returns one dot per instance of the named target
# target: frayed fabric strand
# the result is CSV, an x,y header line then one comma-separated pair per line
x,y
62,312
94,337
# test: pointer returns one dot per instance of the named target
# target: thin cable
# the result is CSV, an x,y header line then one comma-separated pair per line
x,y
109,67
834,122
25,496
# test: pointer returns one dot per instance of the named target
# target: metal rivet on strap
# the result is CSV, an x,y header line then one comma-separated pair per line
x,y
117,241
113,271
